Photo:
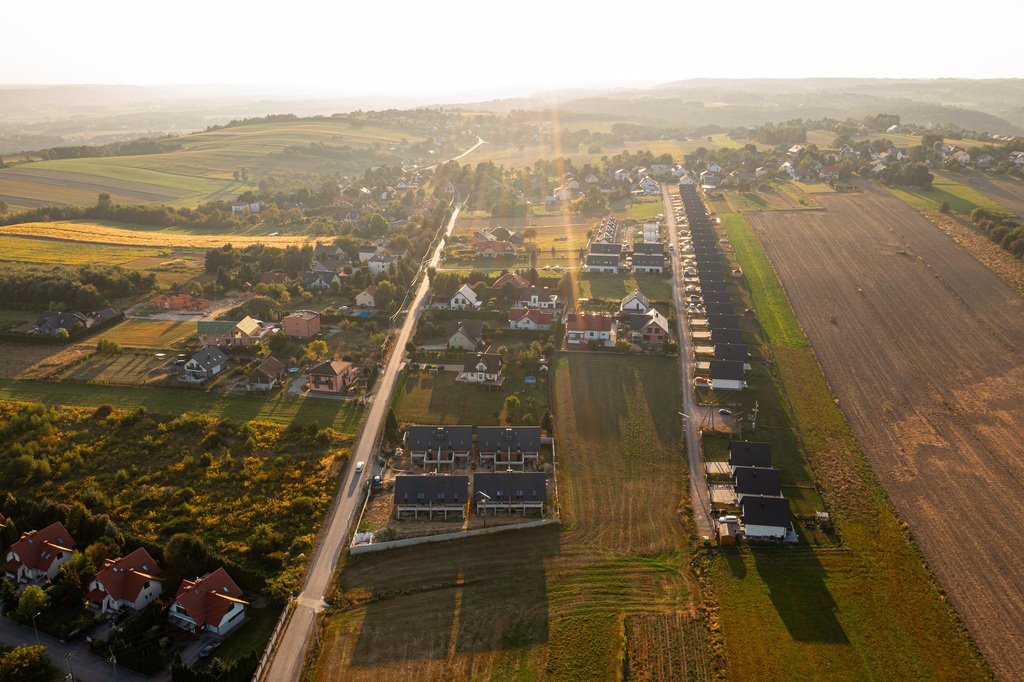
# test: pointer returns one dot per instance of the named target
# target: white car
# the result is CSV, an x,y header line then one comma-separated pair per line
x,y
359,467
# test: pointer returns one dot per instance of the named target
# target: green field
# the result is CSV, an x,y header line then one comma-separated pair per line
x,y
643,209
424,399
958,196
868,609
26,250
615,287
276,409
155,334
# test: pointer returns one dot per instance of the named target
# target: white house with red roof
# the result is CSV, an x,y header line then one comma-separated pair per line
x,y
582,328
211,603
131,581
39,553
530,318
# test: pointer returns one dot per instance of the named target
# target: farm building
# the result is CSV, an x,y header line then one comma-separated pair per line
x,y
209,603
582,328
484,369
743,453
204,363
756,481
442,495
464,334
510,491
302,324
727,375
439,446
333,376
39,553
507,447
266,376
131,581
766,518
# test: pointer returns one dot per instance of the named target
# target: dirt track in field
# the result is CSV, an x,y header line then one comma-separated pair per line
x,y
923,346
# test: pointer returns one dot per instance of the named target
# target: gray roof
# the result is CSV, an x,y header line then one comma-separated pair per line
x,y
712,286
726,370
209,357
613,248
516,438
474,329
723,321
511,486
49,322
637,295
425,489
491,361
766,511
649,260
716,297
719,308
737,352
649,247
744,453
444,437
758,481
726,336
103,315
271,368
602,259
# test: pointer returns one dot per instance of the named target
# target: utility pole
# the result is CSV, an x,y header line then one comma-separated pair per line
x,y
753,419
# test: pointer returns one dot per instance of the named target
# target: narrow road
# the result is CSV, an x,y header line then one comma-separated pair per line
x,y
287,663
700,497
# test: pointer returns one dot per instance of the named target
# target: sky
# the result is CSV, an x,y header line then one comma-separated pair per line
x,y
415,48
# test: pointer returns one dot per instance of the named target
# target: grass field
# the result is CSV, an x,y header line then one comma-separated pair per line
x,y
958,196
275,409
130,236
868,609
425,399
130,369
26,250
782,196
543,604
155,334
615,287
647,208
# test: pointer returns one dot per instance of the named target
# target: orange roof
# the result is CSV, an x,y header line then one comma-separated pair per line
x,y
532,314
513,278
38,548
588,323
125,577
207,599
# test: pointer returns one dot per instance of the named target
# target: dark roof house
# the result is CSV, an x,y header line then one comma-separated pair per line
x,y
744,453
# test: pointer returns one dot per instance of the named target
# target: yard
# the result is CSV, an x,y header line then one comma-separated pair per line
x,y
615,287
425,399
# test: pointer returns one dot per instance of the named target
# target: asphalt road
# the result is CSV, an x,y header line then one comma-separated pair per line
x,y
700,496
288,661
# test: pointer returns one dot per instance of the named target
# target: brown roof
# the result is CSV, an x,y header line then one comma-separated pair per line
x,y
473,329
513,278
586,322
331,368
207,599
274,278
269,369
125,577
303,315
38,548
537,316
371,290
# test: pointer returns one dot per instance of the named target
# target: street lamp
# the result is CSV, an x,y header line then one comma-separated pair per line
x,y
38,643
484,495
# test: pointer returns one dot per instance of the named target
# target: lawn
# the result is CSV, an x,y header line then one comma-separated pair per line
x,y
615,287
645,209
155,334
424,399
958,196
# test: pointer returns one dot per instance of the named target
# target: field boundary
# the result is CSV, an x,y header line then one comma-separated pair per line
x,y
447,537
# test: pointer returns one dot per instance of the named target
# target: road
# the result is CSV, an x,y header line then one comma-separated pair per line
x,y
287,663
700,497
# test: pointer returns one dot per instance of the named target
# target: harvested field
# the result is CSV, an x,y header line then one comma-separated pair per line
x,y
30,250
125,236
923,347
129,369
666,647
1004,190
155,334
30,361
544,603
992,255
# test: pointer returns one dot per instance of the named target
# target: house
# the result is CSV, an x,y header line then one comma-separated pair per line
x,y
246,332
333,376
719,321
652,247
464,299
984,162
266,376
602,263
715,168
51,322
730,336
494,249
727,375
204,363
439,447
709,179
686,180
592,179
649,329
511,279
720,308
302,324
381,262
464,334
128,582
648,263
365,298
621,175
39,553
650,186
1017,159
505,447
635,302
274,278
500,233
320,279
584,328
829,173
561,194
743,453
330,257
735,352
510,491
441,495
961,157
483,368
789,169
530,319
540,298
756,481
766,518
210,603
179,302
365,253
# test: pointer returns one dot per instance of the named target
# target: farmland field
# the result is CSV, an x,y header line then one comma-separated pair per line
x,y
30,250
1006,191
155,334
130,369
425,399
923,347
946,188
544,604
128,236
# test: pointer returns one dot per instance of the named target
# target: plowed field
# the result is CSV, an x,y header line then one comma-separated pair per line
x,y
923,347
1006,190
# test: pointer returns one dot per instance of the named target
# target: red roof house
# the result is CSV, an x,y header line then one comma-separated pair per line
x,y
530,318
131,581
582,328
210,603
39,553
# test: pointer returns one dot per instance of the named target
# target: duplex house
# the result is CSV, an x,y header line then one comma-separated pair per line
x,y
744,453
464,334
735,352
482,368
726,336
650,247
266,376
756,481
727,375
39,553
530,319
302,324
509,491
583,328
464,299
429,495
439,447
332,376
204,363
602,263
766,518
210,603
649,263
506,447
128,582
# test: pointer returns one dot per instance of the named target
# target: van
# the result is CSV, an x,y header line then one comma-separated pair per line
x,y
359,467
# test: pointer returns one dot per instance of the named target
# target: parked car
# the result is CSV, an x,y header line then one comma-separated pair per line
x,y
207,650
725,413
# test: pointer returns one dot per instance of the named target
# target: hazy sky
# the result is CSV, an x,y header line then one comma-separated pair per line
x,y
422,47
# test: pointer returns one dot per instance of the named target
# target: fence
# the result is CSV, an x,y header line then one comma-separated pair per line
x,y
446,537
272,644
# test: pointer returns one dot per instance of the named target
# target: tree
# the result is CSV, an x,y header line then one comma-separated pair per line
x,y
32,601
530,233
108,347
547,423
104,203
317,350
184,556
391,423
27,663
3,205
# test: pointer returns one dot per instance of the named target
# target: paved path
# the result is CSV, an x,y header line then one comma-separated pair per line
x,y
287,663
700,497
86,666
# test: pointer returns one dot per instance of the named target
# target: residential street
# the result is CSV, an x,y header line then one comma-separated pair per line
x,y
700,497
290,656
